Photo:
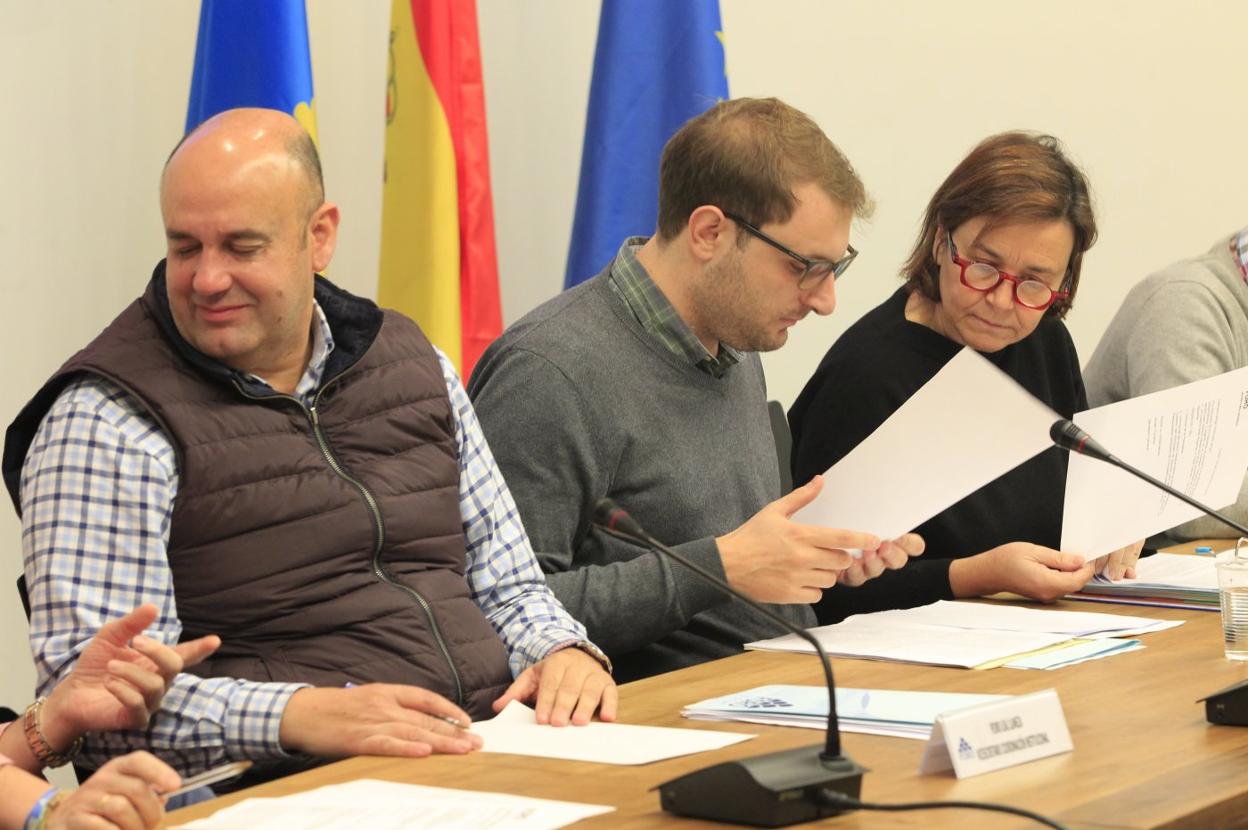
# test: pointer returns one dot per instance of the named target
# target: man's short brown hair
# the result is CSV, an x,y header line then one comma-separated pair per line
x,y
1009,177
745,156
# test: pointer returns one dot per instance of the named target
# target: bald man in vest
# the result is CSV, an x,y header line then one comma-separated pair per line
x,y
267,457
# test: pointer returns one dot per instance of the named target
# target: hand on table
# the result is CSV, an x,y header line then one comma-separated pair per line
x,y
569,686
376,719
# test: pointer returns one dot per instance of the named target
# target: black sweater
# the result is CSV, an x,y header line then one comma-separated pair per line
x,y
872,370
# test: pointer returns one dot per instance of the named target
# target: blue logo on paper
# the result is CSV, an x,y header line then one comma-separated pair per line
x,y
964,749
765,703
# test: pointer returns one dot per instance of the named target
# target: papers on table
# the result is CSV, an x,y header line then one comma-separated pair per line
x,y
515,730
385,805
1193,437
871,711
980,616
1075,651
961,634
1163,579
972,450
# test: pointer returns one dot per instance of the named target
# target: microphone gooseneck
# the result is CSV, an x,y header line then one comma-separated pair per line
x,y
616,520
771,790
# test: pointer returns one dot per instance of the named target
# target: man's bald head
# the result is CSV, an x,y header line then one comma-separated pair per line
x,y
247,228
248,133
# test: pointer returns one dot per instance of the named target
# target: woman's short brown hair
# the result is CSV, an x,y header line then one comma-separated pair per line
x,y
1010,177
745,156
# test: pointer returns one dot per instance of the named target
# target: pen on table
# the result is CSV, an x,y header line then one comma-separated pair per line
x,y
1204,550
212,776
444,718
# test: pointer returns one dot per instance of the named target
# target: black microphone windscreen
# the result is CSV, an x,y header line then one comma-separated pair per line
x,y
610,516
1066,435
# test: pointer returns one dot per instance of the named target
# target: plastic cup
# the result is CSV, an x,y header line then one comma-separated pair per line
x,y
1233,593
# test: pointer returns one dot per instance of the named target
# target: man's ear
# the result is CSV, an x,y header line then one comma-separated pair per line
x,y
323,235
708,232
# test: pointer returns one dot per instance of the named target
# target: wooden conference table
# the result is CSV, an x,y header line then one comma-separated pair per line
x,y
1144,755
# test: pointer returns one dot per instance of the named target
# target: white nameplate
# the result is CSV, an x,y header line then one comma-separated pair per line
x,y
997,735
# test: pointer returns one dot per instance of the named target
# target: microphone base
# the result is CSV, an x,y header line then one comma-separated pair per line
x,y
772,790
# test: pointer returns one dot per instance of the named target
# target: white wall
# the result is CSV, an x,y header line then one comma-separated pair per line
x,y
1148,96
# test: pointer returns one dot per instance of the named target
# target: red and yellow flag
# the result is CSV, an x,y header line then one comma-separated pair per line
x,y
438,261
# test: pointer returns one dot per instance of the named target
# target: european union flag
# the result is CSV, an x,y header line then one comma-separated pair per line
x,y
252,54
658,64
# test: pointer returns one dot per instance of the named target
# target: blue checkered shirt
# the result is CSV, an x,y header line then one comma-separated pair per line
x,y
97,494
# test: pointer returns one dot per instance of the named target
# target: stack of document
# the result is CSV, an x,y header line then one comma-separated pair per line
x,y
969,635
1165,579
871,711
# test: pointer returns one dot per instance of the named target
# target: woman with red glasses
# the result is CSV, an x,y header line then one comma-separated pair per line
x,y
996,267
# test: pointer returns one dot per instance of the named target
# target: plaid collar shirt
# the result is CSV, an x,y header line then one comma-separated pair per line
x,y
652,309
1239,250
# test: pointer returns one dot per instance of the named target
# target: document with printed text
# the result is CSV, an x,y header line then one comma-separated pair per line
x,y
1193,437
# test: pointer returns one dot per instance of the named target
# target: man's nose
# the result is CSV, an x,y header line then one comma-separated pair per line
x,y
821,299
212,274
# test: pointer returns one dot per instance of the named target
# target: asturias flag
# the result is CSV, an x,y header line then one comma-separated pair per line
x,y
438,261
252,53
658,64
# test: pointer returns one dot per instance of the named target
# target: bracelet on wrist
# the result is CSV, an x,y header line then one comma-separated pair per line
x,y
37,818
39,746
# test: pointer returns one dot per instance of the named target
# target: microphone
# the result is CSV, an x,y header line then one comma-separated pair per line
x,y
772,790
1073,439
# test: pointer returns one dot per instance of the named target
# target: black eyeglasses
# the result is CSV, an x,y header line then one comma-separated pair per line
x,y
982,277
814,270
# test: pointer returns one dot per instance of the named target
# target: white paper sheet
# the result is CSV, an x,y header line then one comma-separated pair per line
x,y
964,634
906,642
385,805
1168,571
968,425
515,730
982,615
1193,437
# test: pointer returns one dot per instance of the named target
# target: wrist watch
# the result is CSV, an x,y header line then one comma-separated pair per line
x,y
39,746
596,653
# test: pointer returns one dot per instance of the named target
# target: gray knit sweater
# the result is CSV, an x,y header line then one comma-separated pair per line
x,y
578,401
1186,322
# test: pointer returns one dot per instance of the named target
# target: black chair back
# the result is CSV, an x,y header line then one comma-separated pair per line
x,y
784,444
24,594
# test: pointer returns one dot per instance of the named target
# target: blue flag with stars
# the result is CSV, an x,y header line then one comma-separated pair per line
x,y
658,63
252,54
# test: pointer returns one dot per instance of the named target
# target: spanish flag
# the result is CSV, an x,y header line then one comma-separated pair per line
x,y
438,262
251,54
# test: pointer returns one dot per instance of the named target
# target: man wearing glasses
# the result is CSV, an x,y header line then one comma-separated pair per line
x,y
643,385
